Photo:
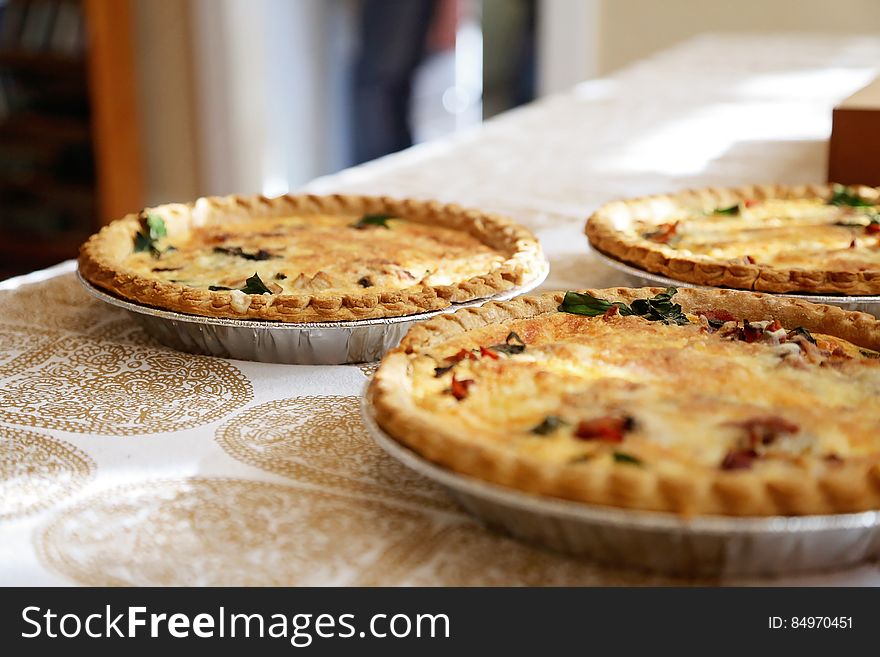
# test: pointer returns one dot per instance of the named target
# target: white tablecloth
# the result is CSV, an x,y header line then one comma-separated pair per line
x,y
122,462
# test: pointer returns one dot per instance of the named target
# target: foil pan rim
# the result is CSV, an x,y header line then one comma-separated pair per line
x,y
258,324
667,282
608,515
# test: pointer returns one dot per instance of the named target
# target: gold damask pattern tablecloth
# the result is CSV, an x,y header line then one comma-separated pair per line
x,y
124,462
142,465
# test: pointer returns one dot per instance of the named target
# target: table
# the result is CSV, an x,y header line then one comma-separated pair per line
x,y
122,462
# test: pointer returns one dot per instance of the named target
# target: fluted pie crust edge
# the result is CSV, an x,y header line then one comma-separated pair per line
x,y
101,259
605,235
849,486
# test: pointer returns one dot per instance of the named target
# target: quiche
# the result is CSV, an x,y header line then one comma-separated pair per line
x,y
693,402
309,258
807,239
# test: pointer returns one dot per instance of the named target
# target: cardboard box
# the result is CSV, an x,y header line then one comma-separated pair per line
x,y
854,151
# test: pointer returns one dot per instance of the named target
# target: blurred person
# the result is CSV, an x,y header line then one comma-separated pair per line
x,y
397,36
393,42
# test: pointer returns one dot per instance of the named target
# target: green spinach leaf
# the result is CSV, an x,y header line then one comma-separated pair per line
x,y
843,195
658,308
513,344
550,424
578,303
628,459
255,285
152,230
373,220
730,211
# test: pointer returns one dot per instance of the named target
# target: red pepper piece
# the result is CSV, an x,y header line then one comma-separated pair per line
x,y
751,202
872,229
609,428
739,459
485,352
664,233
461,355
460,389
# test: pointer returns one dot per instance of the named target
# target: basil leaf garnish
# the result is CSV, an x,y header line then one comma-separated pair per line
x,y
550,424
629,459
800,330
658,308
152,230
577,303
843,195
255,285
156,225
373,220
237,251
513,344
142,242
730,211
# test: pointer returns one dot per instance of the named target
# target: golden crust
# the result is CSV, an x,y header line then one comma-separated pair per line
x,y
101,260
604,230
849,486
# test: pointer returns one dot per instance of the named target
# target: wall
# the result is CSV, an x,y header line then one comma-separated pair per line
x,y
166,97
633,29
568,43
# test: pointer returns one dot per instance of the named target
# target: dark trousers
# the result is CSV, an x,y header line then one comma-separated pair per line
x,y
392,44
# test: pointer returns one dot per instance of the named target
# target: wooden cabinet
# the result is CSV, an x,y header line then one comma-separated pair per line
x,y
69,148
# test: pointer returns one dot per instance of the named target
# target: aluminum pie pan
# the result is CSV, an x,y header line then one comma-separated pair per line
x,y
705,546
313,343
867,304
